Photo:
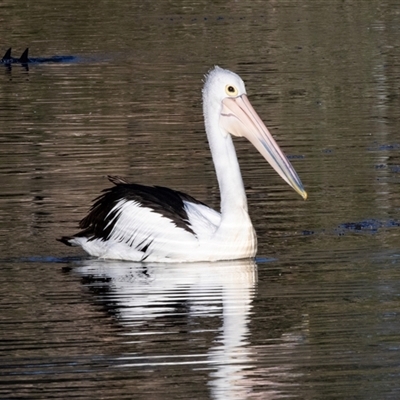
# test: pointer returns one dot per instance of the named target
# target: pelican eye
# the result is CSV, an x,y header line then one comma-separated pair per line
x,y
231,90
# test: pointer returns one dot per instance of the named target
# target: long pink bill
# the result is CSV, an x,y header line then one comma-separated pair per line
x,y
239,118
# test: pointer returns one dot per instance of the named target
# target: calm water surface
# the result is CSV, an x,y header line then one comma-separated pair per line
x,y
316,315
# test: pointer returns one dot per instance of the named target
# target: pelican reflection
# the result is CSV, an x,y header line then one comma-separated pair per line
x,y
148,299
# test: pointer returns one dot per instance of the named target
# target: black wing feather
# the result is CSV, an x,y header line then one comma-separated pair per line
x,y
99,223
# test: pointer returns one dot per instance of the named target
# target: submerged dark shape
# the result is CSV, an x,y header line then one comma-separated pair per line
x,y
368,225
25,59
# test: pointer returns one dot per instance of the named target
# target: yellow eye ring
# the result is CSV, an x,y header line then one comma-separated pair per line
x,y
231,90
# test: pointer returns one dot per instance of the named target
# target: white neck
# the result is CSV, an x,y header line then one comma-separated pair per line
x,y
226,164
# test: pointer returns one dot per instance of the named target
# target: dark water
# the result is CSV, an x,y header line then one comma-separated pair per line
x,y
316,316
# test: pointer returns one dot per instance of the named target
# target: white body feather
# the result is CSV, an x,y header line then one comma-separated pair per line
x,y
138,226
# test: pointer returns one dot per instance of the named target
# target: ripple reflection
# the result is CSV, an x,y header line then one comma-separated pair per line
x,y
150,301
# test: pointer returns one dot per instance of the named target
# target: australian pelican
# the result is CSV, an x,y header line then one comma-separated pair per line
x,y
156,224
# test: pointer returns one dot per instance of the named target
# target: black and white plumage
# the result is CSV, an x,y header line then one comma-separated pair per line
x,y
144,223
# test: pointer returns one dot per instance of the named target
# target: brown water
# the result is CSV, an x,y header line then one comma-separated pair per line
x,y
316,316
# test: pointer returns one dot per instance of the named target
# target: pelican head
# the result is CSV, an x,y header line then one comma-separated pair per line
x,y
225,93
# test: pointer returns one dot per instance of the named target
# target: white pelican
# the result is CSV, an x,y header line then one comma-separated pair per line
x,y
157,224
